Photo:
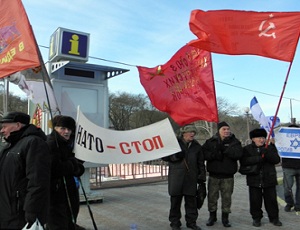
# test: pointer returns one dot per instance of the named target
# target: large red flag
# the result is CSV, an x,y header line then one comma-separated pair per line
x,y
269,34
18,50
183,87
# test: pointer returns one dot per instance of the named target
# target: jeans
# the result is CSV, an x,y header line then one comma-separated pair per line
x,y
289,177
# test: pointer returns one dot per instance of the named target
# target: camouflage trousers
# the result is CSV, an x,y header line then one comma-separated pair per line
x,y
216,186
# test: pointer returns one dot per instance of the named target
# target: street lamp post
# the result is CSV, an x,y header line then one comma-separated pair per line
x,y
247,110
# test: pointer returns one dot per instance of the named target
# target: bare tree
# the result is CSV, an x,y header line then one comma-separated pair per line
x,y
122,106
14,103
129,111
226,109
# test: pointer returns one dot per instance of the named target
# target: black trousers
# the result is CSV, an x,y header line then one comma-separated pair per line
x,y
269,196
191,212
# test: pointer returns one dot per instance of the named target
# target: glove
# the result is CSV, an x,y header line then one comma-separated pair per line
x,y
180,155
226,140
74,163
30,218
201,179
80,170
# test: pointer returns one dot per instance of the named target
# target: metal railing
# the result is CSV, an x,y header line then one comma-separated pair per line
x,y
133,172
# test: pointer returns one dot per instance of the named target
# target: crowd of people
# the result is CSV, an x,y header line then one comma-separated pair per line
x,y
38,175
219,159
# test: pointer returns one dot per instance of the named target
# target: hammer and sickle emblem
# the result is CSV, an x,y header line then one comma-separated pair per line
x,y
264,32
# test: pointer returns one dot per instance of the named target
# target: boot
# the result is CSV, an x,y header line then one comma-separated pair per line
x,y
212,218
225,220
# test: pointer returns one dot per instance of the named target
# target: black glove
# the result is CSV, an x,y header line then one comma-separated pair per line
x,y
201,179
226,140
30,218
180,155
75,164
80,170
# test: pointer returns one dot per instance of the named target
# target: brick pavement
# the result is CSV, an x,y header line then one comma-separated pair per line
x,y
147,205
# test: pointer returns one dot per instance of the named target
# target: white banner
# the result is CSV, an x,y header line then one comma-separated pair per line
x,y
287,141
99,145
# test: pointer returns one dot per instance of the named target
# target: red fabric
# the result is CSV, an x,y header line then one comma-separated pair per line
x,y
18,49
269,34
183,87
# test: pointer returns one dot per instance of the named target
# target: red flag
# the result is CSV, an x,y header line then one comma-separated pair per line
x,y
18,49
183,87
269,34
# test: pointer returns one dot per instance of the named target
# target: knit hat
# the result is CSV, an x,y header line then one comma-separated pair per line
x,y
222,124
64,121
11,117
258,133
188,128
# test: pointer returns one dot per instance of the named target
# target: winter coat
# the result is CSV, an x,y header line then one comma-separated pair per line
x,y
291,163
186,168
222,156
24,177
267,158
64,166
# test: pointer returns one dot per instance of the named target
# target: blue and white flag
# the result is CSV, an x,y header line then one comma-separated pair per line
x,y
287,141
259,115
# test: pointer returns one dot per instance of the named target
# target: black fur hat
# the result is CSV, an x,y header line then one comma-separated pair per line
x,y
258,133
64,121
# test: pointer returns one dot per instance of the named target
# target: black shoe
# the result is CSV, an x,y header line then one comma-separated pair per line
x,y
225,220
256,223
194,227
211,221
212,218
226,224
276,222
288,208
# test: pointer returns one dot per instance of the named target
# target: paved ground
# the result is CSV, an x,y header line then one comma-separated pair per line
x,y
147,205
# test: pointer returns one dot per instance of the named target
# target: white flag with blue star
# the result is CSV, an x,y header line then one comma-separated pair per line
x,y
287,141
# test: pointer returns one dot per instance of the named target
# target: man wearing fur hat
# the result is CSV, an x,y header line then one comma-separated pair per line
x,y
24,172
221,152
262,183
186,169
63,191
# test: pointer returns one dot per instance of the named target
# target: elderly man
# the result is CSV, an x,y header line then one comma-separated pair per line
x,y
24,172
186,168
221,151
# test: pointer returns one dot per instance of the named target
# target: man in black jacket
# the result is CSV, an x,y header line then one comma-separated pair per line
x,y
64,197
262,184
186,168
291,173
222,151
24,172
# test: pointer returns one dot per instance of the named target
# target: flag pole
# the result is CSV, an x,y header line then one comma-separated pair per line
x,y
280,99
282,92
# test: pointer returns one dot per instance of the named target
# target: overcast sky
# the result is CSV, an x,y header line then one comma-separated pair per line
x,y
148,33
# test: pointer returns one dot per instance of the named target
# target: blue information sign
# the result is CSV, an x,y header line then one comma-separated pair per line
x,y
74,44
68,44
